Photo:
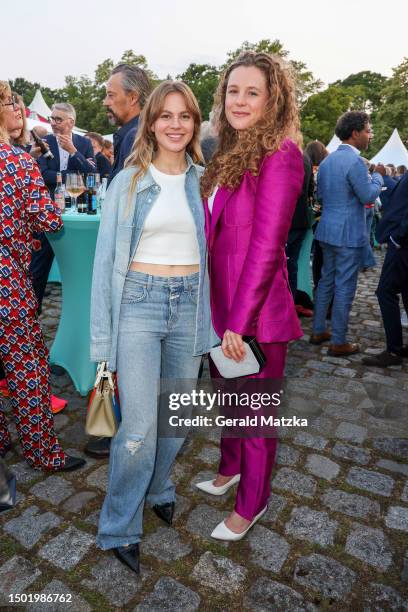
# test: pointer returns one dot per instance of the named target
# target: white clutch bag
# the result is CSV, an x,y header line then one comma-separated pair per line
x,y
252,363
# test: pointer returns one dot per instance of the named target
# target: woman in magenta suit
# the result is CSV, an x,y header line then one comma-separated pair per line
x,y
250,189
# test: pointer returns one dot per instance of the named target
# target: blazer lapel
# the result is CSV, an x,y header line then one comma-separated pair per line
x,y
221,198
53,144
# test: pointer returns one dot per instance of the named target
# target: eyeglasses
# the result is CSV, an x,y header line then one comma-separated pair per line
x,y
13,103
57,120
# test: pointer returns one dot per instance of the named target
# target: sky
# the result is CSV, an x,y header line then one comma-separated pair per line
x,y
46,40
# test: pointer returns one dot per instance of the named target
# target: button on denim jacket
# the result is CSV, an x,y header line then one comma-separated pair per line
x,y
119,234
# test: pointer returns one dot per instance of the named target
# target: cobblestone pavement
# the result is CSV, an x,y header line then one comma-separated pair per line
x,y
335,535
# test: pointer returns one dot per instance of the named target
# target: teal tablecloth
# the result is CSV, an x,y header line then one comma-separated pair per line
x,y
74,248
54,275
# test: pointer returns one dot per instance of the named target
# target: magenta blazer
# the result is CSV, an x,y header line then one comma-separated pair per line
x,y
246,233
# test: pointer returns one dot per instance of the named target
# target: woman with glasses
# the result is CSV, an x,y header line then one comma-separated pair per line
x,y
25,207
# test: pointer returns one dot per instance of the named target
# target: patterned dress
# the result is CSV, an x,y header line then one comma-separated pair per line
x,y
25,207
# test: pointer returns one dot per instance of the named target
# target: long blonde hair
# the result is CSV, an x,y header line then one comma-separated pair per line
x,y
145,144
5,92
239,152
23,138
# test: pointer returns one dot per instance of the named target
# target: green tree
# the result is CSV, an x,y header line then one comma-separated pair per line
x,y
371,85
274,47
321,111
87,94
203,80
130,57
305,81
27,90
393,112
86,97
103,71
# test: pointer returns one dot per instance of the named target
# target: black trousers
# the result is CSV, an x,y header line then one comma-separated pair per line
x,y
41,262
393,283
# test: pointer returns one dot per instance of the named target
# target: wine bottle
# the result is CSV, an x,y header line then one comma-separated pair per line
x,y
59,193
44,147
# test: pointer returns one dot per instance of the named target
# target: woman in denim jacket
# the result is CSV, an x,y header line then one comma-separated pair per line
x,y
150,314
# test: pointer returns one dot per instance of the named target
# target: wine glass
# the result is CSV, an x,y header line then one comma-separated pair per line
x,y
74,184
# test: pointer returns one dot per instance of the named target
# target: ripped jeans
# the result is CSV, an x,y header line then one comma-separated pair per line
x,y
156,340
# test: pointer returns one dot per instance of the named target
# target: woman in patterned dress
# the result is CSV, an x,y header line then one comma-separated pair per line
x,y
25,207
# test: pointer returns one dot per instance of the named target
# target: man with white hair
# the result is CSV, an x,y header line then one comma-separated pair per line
x,y
72,153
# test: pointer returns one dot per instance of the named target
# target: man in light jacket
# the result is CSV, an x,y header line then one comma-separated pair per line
x,y
344,186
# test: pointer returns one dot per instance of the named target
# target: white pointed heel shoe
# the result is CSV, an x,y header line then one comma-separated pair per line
x,y
221,532
208,487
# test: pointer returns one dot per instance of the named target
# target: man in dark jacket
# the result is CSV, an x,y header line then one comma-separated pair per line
x,y
393,230
127,90
301,222
71,153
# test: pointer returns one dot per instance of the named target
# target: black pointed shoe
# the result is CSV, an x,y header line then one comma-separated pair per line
x,y
165,512
98,447
72,464
129,555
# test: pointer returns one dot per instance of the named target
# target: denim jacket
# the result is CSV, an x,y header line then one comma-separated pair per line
x,y
119,234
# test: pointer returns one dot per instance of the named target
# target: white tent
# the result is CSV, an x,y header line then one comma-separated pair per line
x,y
39,107
32,123
393,152
333,144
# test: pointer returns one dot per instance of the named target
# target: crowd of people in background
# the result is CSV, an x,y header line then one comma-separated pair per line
x,y
262,194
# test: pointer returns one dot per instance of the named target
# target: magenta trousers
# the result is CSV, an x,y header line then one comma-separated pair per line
x,y
253,458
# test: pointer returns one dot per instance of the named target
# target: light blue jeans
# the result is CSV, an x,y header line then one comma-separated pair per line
x,y
369,260
156,340
339,279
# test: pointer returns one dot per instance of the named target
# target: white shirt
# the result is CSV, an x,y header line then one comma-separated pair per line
x,y
64,157
354,148
169,233
211,200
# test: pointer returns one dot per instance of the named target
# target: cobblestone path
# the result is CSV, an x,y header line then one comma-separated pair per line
x,y
335,536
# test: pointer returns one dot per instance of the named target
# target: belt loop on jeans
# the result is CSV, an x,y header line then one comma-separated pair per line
x,y
186,283
149,282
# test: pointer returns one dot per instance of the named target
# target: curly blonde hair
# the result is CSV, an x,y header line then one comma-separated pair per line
x,y
241,151
145,145
5,92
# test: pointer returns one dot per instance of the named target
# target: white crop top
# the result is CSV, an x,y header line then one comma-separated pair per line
x,y
211,200
169,233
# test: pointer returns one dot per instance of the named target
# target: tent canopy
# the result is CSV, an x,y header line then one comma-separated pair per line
x,y
41,112
32,123
393,152
333,144
39,106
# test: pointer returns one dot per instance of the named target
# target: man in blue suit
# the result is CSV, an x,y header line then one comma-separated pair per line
x,y
344,186
72,153
393,230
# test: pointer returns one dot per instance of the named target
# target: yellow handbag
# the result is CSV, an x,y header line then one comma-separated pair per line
x,y
103,416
